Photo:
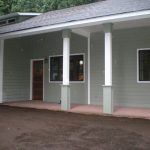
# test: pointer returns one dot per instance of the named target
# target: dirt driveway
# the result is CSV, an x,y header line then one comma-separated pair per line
x,y
29,129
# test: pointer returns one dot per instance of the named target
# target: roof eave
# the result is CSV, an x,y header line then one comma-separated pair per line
x,y
81,23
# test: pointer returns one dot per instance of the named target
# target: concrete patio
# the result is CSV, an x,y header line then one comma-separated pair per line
x,y
84,109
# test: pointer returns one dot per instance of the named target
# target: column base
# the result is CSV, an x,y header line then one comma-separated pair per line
x,y
107,99
65,97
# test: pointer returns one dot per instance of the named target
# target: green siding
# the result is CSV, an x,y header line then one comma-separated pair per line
x,y
130,93
16,70
127,92
97,68
19,52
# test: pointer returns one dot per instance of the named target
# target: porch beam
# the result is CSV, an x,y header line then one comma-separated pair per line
x,y
81,32
65,88
1,68
107,88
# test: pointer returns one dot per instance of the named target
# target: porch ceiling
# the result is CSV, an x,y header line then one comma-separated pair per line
x,y
119,25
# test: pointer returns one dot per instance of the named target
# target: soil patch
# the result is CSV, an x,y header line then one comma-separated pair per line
x,y
31,129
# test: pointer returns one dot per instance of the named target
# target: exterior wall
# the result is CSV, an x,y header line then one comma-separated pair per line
x,y
97,68
127,92
130,93
17,71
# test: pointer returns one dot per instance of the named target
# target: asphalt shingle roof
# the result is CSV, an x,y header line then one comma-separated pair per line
x,y
93,10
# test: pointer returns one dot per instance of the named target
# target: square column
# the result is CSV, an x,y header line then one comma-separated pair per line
x,y
107,88
65,87
1,68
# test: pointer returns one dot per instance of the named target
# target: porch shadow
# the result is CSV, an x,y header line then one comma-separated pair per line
x,y
35,104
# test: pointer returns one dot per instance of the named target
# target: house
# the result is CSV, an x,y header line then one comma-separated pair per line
x,y
97,53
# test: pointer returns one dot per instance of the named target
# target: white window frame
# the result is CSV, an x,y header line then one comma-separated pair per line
x,y
140,49
69,81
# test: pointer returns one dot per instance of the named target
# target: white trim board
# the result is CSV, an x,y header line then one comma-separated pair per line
x,y
31,77
81,23
89,70
1,69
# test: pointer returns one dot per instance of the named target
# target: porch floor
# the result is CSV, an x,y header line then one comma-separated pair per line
x,y
130,112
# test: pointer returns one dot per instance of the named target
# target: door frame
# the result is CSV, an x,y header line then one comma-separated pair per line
x,y
31,77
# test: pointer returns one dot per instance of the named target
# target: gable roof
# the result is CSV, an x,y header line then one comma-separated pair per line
x,y
83,12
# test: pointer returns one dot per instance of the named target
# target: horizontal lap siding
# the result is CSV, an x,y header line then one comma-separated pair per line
x,y
97,68
130,92
52,44
19,52
79,90
16,70
127,92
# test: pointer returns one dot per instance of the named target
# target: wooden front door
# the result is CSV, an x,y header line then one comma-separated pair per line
x,y
37,80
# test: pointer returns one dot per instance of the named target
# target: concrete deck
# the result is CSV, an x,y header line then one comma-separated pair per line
x,y
85,109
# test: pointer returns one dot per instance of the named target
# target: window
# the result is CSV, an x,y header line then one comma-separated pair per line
x,y
144,65
76,68
56,64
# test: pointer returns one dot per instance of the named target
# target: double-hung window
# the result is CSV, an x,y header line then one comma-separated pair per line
x,y
76,68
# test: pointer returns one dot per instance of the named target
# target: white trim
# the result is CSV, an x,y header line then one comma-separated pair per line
x,y
140,49
1,68
28,14
31,77
89,70
73,54
81,23
66,60
108,54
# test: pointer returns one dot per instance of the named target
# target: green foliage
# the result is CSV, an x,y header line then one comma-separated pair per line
x,y
9,6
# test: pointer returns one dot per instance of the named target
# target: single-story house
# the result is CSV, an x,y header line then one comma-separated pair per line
x,y
97,53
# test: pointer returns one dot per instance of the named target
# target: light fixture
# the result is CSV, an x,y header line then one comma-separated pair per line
x,y
81,62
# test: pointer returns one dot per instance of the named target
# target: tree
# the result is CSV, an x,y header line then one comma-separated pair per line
x,y
59,4
9,6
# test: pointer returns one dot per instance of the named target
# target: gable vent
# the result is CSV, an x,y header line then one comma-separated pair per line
x,y
7,21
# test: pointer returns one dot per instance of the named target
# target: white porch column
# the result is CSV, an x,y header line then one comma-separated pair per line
x,y
1,68
65,88
89,69
107,88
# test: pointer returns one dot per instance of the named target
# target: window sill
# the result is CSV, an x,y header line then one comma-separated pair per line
x,y
71,82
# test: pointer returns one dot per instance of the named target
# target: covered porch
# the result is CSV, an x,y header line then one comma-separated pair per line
x,y
110,67
130,112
